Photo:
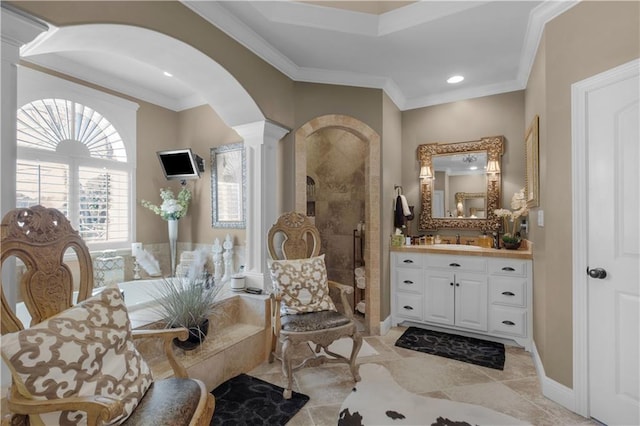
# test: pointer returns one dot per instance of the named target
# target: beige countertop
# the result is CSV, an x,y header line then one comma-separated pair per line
x,y
523,252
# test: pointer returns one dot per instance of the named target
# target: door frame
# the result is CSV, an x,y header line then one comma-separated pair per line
x,y
579,175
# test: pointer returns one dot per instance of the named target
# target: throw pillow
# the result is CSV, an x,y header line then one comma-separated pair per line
x,y
85,350
303,285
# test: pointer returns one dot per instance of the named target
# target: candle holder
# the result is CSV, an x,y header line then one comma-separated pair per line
x,y
136,270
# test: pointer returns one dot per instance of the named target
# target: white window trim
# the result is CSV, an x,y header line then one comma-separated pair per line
x,y
34,85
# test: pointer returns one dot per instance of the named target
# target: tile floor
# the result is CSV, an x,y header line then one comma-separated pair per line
x,y
514,391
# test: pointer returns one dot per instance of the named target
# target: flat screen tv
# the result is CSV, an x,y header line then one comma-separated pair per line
x,y
180,164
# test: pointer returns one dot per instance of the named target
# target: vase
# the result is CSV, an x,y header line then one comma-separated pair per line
x,y
196,337
512,246
173,241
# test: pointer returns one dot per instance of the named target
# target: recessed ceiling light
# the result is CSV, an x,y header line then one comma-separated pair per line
x,y
455,79
167,74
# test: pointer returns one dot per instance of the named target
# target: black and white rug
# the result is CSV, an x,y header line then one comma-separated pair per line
x,y
461,348
378,400
245,400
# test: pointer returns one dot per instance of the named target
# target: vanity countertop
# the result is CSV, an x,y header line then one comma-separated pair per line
x,y
524,252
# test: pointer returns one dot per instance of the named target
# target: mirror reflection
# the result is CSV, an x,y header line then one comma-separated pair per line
x,y
460,184
459,187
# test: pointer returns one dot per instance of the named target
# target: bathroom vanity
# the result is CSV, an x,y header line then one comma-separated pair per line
x,y
467,290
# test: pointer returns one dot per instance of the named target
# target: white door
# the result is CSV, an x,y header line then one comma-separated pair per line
x,y
439,297
613,185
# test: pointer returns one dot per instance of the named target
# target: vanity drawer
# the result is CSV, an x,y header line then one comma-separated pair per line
x,y
410,280
457,263
508,321
508,291
409,305
409,260
508,267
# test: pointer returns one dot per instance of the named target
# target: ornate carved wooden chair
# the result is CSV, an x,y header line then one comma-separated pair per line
x,y
77,364
301,308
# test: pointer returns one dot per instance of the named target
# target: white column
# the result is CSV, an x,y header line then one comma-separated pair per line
x,y
263,194
17,29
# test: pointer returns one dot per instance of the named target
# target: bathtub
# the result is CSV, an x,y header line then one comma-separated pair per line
x,y
139,297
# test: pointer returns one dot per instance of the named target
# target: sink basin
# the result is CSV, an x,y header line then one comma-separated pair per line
x,y
457,247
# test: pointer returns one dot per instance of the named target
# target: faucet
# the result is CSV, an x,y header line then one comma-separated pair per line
x,y
458,239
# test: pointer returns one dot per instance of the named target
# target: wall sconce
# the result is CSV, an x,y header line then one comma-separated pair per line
x,y
426,173
493,167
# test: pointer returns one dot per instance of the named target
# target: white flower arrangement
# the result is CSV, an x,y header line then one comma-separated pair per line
x,y
172,208
520,209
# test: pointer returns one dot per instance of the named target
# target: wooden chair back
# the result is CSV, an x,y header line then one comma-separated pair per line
x,y
293,236
39,237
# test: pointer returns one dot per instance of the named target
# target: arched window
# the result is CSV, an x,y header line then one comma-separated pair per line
x,y
72,158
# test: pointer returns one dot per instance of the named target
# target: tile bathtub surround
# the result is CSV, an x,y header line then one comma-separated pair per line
x,y
514,391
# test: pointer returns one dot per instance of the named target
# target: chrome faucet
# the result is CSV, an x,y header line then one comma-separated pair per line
x,y
458,239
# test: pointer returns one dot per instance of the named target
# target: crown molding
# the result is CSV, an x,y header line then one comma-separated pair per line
x,y
538,18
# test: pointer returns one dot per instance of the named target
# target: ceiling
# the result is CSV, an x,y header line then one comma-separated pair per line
x,y
408,49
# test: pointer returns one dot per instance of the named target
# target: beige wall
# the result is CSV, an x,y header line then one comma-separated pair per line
x,y
391,152
586,40
270,89
464,121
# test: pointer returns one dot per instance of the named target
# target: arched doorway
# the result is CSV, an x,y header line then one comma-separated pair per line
x,y
350,128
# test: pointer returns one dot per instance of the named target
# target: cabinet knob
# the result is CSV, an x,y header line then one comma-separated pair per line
x,y
508,293
457,284
451,284
454,265
407,307
507,322
408,261
407,282
508,269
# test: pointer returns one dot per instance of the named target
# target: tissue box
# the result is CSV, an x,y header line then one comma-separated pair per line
x,y
108,269
397,240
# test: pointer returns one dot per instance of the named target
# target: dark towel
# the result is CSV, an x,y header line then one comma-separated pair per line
x,y
398,217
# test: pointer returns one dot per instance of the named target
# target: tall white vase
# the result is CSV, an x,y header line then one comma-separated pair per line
x,y
173,241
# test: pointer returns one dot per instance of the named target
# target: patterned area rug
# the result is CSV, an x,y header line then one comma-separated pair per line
x,y
378,400
461,348
246,400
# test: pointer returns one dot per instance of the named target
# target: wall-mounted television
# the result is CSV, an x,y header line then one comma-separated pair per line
x,y
181,164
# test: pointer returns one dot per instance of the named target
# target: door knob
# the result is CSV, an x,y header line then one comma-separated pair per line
x,y
598,273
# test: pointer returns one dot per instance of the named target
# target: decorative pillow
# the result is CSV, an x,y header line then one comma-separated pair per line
x,y
303,285
85,350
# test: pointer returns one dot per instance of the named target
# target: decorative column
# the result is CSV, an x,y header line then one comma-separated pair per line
x,y
17,29
263,194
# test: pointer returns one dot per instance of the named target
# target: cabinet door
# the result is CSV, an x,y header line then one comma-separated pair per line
x,y
439,297
471,301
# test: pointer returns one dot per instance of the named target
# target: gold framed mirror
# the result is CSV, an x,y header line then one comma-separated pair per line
x,y
460,184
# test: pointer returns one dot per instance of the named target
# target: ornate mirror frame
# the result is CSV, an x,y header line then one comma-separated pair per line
x,y
494,146
229,186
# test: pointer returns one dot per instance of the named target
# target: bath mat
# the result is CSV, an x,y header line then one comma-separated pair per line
x,y
245,400
461,348
378,400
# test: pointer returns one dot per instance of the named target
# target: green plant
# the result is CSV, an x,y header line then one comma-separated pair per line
x,y
186,302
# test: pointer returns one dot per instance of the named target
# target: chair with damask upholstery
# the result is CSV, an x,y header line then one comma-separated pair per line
x,y
76,363
301,307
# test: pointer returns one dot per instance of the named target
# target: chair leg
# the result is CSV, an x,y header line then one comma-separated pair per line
x,y
287,348
274,345
357,344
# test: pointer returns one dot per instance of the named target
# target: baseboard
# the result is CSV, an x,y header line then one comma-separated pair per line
x,y
551,389
385,326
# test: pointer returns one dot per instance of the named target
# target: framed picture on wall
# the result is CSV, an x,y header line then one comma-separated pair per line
x,y
531,180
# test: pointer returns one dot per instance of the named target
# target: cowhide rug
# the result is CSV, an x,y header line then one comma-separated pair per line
x,y
378,400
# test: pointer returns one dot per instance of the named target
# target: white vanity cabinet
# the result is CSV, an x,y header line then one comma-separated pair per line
x,y
476,294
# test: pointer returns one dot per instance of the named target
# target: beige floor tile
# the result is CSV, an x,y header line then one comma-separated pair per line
x,y
501,398
325,385
518,364
326,415
529,388
428,373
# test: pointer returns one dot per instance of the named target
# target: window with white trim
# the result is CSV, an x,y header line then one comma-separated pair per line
x,y
72,158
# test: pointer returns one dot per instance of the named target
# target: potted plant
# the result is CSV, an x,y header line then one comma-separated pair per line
x,y
187,302
512,239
